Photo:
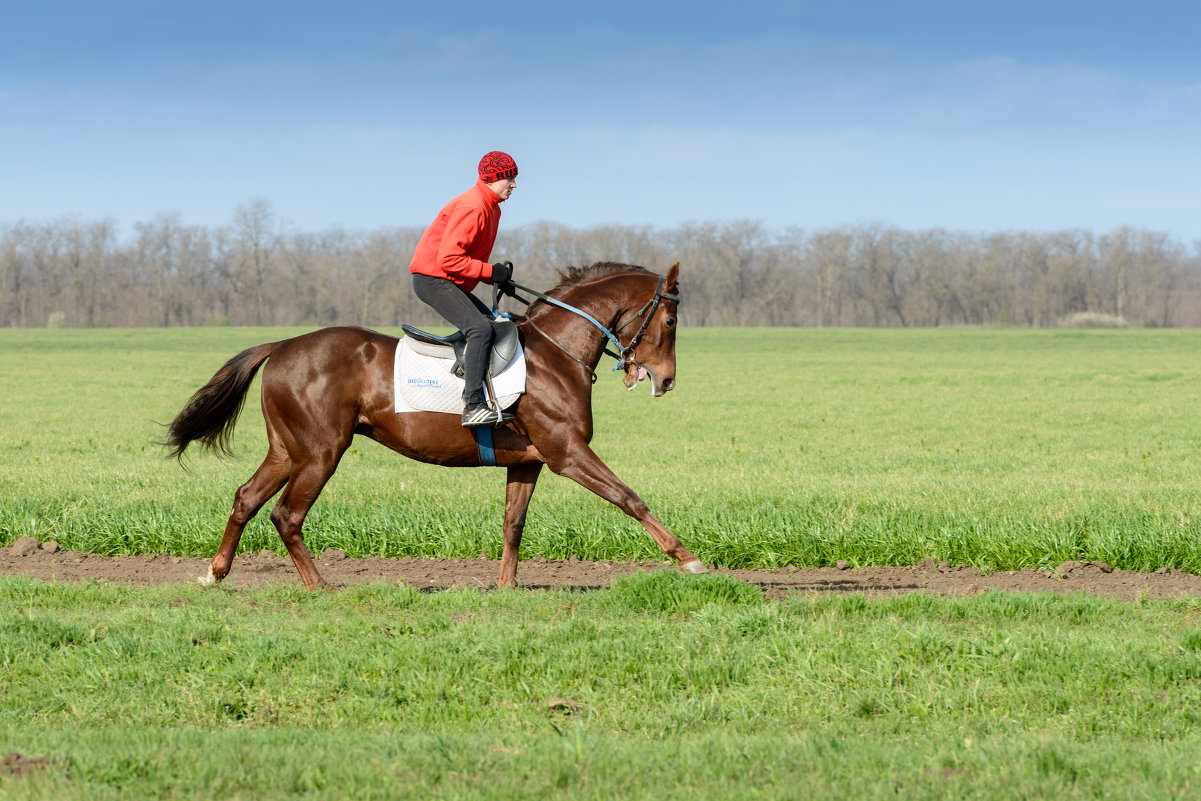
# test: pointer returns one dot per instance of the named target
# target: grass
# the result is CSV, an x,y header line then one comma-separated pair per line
x,y
995,448
669,685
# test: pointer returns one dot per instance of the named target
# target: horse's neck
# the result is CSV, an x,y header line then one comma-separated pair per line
x,y
576,333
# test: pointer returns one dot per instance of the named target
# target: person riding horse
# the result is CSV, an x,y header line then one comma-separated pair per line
x,y
451,259
322,389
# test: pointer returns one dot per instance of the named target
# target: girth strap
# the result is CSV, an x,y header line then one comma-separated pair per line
x,y
483,442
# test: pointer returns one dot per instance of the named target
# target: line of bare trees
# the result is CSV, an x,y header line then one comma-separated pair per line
x,y
255,271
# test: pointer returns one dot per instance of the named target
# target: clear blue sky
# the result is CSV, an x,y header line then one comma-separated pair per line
x,y
971,116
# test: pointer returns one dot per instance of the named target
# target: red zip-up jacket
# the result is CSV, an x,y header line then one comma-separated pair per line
x,y
459,240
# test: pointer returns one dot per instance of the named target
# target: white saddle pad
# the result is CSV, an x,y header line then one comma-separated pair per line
x,y
424,381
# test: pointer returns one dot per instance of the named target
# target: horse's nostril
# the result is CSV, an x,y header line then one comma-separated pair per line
x,y
668,383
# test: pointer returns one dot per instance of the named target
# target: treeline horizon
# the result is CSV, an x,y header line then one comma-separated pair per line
x,y
256,271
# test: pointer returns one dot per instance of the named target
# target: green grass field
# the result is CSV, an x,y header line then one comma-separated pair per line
x,y
989,447
995,448
668,686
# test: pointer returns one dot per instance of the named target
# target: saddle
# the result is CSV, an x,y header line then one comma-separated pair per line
x,y
504,346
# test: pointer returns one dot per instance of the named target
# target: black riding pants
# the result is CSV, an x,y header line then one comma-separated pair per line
x,y
467,313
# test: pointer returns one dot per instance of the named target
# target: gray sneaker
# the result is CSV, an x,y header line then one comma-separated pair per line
x,y
481,414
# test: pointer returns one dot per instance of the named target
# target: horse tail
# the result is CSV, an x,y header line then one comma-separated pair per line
x,y
210,415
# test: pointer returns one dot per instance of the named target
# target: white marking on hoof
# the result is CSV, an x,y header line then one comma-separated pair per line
x,y
697,567
209,580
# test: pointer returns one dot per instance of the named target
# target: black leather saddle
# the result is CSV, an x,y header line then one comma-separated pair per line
x,y
504,345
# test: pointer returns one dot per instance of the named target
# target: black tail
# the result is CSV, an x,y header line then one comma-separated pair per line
x,y
213,411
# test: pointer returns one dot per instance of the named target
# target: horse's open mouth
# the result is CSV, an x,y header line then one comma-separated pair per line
x,y
637,372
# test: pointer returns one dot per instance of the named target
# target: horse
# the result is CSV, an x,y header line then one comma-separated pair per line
x,y
322,388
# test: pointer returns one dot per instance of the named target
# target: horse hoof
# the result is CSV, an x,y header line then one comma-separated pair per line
x,y
209,580
695,567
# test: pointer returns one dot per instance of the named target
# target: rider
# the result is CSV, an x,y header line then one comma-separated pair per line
x,y
452,258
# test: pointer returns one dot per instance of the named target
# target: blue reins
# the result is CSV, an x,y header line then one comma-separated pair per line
x,y
622,350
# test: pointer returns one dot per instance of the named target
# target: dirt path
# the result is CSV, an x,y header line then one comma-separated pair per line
x,y
28,557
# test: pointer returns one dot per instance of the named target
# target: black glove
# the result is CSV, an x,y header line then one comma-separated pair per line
x,y
502,278
502,272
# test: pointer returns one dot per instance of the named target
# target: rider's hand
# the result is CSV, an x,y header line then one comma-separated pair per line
x,y
502,278
502,272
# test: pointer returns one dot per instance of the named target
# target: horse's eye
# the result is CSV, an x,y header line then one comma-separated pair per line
x,y
670,322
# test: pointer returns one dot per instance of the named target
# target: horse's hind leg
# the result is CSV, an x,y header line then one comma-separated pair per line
x,y
288,515
272,474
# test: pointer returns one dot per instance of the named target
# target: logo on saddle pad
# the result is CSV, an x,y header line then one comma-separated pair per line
x,y
427,374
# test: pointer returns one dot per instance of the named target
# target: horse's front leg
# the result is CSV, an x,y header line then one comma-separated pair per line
x,y
585,468
518,491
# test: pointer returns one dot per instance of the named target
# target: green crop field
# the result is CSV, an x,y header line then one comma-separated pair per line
x,y
995,448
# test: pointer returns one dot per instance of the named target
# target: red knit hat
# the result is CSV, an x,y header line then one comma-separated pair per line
x,y
497,166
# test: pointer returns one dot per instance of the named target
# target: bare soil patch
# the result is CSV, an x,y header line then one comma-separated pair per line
x,y
45,561
19,765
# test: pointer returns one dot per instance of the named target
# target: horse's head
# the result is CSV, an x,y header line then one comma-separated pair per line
x,y
653,355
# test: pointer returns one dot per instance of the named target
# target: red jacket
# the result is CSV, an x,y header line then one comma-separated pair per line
x,y
459,240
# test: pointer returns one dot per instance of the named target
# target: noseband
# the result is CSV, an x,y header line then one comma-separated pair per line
x,y
625,353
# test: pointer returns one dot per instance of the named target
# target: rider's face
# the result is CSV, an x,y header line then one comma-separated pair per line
x,y
504,187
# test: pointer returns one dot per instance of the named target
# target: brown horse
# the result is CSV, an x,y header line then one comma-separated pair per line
x,y
322,388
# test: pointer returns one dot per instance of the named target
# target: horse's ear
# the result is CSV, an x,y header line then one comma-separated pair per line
x,y
673,278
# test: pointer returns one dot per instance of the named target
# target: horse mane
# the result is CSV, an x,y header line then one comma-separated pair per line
x,y
574,276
